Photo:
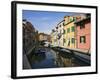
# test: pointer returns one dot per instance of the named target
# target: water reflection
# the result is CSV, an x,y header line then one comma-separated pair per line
x,y
53,59
65,60
44,60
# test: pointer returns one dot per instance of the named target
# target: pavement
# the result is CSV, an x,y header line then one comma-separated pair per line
x,y
26,64
80,50
30,50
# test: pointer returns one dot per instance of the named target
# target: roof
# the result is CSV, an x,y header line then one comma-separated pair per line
x,y
44,34
82,20
60,22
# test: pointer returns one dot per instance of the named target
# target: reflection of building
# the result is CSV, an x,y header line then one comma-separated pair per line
x,y
30,36
83,35
44,37
69,32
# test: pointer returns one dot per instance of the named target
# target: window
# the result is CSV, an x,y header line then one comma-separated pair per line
x,y
73,40
64,31
82,25
63,24
82,39
64,40
69,43
71,19
74,19
72,28
88,15
68,30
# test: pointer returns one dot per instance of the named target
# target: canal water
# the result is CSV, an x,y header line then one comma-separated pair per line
x,y
54,59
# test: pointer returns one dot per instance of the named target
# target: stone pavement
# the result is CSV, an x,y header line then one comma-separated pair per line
x,y
80,50
26,64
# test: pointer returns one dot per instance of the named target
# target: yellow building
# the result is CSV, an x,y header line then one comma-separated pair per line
x,y
69,32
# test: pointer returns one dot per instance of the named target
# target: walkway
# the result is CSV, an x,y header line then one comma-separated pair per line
x,y
26,64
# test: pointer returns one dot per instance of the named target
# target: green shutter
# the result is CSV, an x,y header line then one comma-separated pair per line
x,y
71,19
74,19
68,30
64,31
72,28
64,40
73,40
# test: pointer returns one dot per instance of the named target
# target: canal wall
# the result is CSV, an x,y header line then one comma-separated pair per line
x,y
30,54
26,59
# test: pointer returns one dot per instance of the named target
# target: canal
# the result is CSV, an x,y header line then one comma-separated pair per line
x,y
49,58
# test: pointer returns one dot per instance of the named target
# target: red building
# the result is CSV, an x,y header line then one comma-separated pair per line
x,y
83,33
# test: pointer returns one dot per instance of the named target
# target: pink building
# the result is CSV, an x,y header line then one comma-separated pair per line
x,y
83,33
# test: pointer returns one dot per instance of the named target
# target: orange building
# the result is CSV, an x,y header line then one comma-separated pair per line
x,y
44,37
83,33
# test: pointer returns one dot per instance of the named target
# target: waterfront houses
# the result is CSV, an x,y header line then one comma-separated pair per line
x,y
73,32
44,37
69,32
83,33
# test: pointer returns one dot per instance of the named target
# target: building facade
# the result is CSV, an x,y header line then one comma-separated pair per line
x,y
54,37
83,34
69,32
73,32
44,37
29,36
60,28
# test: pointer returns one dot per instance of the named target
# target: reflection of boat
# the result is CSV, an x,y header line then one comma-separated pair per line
x,y
40,51
47,44
38,56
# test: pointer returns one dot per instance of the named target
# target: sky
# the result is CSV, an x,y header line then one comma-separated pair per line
x,y
45,21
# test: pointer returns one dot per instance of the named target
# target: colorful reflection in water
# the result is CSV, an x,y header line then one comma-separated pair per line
x,y
54,59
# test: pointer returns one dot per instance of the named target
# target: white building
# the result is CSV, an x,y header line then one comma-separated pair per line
x,y
54,37
60,30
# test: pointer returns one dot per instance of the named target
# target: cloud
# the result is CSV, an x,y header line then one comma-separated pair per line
x,y
45,18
